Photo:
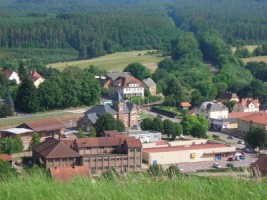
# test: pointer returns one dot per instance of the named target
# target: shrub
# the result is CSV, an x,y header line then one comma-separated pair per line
x,y
156,170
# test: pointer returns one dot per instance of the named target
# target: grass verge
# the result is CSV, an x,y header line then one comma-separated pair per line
x,y
138,186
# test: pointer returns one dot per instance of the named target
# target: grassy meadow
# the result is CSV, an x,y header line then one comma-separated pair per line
x,y
255,59
250,48
114,62
135,187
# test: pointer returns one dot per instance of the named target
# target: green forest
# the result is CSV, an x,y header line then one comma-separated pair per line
x,y
197,37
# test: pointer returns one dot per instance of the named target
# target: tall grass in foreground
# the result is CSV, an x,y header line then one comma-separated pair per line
x,y
133,186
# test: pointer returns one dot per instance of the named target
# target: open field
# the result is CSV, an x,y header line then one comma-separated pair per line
x,y
69,119
250,48
114,62
255,59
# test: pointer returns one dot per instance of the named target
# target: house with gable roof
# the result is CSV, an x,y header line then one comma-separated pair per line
x,y
126,111
212,110
247,105
11,75
127,86
151,86
36,78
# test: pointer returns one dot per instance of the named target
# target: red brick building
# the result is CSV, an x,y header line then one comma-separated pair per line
x,y
54,153
98,154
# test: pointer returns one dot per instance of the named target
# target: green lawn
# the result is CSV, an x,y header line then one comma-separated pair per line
x,y
114,62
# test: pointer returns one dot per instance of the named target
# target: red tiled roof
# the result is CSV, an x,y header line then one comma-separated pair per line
x,y
35,75
53,148
125,81
261,163
111,133
45,125
67,173
239,114
7,73
258,118
98,142
185,104
5,157
161,142
183,148
133,143
246,101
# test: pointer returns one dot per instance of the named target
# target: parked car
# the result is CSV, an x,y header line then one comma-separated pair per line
x,y
65,135
136,127
160,116
230,165
248,150
231,159
230,137
216,165
240,142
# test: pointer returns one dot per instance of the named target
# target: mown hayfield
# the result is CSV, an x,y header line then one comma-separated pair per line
x,y
255,59
250,48
114,62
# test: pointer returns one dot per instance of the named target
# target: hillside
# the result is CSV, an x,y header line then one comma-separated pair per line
x,y
137,187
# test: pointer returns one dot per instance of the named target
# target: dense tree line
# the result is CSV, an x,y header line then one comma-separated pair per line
x,y
105,29
72,87
238,22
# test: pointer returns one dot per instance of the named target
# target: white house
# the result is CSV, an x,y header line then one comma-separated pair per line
x,y
212,110
127,86
11,75
247,105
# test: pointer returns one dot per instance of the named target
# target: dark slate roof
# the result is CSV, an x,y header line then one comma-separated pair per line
x,y
128,107
53,148
115,75
101,109
211,106
149,83
117,97
92,117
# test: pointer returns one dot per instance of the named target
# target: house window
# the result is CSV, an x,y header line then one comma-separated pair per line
x,y
125,158
131,150
138,158
138,149
106,159
112,158
99,168
118,158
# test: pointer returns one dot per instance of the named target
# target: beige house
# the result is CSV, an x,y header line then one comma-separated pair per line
x,y
212,110
36,78
186,151
247,105
255,119
151,86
